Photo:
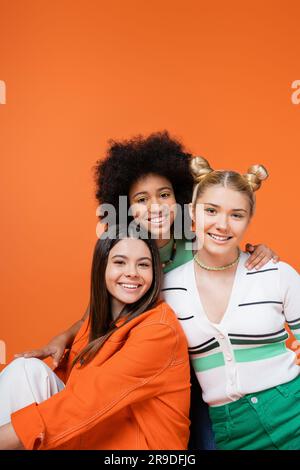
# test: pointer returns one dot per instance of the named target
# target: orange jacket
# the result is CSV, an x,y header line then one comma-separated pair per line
x,y
133,395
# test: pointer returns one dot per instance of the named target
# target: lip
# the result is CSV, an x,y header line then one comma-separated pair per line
x,y
158,220
218,241
133,287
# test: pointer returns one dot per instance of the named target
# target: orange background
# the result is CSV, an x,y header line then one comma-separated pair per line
x,y
218,75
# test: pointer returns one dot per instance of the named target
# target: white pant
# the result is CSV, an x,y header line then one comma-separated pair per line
x,y
25,381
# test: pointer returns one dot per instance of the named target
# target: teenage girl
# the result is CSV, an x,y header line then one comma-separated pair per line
x,y
127,374
234,319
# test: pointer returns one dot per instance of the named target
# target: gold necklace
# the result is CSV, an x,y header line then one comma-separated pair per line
x,y
217,268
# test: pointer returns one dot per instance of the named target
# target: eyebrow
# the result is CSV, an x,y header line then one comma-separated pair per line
x,y
126,257
145,192
216,205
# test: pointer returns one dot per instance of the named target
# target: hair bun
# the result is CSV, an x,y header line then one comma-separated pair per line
x,y
256,174
199,168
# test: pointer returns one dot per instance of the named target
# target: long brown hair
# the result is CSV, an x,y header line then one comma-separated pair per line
x,y
101,322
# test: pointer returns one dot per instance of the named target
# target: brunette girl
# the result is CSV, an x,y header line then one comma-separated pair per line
x,y
127,374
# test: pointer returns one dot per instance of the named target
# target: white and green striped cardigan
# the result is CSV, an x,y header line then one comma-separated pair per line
x,y
246,351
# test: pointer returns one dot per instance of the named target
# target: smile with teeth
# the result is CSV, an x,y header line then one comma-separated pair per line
x,y
130,286
157,220
219,238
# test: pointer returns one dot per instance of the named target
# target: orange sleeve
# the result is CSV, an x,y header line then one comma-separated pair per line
x,y
134,373
63,370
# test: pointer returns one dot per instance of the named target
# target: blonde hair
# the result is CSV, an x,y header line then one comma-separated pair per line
x,y
205,177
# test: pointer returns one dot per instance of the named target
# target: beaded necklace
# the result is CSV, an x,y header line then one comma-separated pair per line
x,y
217,268
169,261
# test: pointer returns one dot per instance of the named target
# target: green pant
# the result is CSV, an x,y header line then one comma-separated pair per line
x,y
264,420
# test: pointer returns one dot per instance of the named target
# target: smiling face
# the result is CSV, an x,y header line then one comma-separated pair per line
x,y
153,204
222,216
129,273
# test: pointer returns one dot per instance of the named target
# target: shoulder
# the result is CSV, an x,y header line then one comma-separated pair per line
x,y
285,274
287,271
269,266
176,277
177,287
159,324
160,315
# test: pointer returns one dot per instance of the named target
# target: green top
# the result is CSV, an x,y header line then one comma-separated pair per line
x,y
182,255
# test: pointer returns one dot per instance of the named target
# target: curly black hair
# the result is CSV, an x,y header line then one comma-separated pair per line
x,y
128,160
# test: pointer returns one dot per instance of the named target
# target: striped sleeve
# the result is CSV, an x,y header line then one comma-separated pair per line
x,y
290,291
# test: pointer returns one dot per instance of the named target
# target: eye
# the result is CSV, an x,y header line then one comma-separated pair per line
x,y
141,200
119,261
165,195
237,216
145,265
210,210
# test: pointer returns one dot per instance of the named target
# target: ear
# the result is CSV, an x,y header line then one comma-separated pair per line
x,y
191,211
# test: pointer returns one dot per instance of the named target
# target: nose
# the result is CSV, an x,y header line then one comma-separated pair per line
x,y
153,206
131,271
222,222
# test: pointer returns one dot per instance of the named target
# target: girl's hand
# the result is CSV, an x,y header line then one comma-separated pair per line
x,y
296,348
55,348
261,254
